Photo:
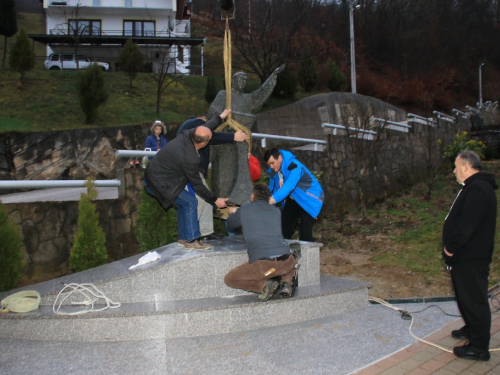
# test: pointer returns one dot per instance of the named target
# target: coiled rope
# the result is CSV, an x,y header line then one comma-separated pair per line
x,y
91,295
227,74
21,302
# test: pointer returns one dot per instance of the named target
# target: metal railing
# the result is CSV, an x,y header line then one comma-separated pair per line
x,y
45,184
263,142
365,134
394,125
460,113
444,116
470,109
264,137
421,120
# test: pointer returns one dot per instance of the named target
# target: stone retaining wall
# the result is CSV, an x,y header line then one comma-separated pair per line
x,y
47,228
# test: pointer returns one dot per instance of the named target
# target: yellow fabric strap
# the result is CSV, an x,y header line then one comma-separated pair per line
x,y
227,74
20,302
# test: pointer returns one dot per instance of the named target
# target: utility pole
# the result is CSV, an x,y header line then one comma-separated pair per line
x,y
480,86
352,7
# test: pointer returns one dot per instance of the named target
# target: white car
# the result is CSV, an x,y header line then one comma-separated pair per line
x,y
58,61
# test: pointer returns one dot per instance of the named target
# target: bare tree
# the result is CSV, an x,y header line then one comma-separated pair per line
x,y
74,28
164,72
363,142
268,33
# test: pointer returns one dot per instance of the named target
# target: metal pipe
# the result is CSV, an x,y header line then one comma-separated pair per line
x,y
44,184
359,130
473,109
133,153
403,125
287,138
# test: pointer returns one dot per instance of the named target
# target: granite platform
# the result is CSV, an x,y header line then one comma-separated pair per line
x,y
181,295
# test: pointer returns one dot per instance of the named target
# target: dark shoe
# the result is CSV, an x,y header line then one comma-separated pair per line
x,y
212,237
471,352
286,290
270,288
461,334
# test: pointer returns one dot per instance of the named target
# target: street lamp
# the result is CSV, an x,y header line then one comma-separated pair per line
x,y
352,6
480,86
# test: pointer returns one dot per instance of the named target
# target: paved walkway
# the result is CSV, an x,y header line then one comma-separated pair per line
x,y
422,359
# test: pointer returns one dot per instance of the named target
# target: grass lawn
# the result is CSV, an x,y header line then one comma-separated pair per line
x,y
411,228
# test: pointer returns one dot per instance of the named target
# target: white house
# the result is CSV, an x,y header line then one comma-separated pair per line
x,y
99,28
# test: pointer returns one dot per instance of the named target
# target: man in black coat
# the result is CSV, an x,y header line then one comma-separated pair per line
x,y
468,239
205,210
167,175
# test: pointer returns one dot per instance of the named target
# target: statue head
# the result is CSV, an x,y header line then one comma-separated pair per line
x,y
239,81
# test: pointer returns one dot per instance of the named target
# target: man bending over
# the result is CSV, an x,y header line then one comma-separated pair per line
x,y
270,265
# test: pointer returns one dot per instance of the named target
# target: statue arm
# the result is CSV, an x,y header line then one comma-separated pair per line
x,y
264,92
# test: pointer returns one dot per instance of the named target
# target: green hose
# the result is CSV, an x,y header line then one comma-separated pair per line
x,y
21,302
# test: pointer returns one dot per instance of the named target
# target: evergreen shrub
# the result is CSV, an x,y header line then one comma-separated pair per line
x,y
131,60
337,80
211,90
286,84
22,56
155,227
89,242
91,91
308,72
11,256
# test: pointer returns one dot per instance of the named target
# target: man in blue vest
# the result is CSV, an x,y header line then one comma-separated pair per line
x,y
299,191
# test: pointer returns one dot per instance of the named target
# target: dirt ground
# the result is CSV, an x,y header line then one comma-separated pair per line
x,y
386,282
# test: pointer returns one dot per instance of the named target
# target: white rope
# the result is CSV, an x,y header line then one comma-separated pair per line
x,y
90,294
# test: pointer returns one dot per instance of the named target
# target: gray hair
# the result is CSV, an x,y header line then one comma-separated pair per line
x,y
472,158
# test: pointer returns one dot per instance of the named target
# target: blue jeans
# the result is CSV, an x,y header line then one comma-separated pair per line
x,y
187,216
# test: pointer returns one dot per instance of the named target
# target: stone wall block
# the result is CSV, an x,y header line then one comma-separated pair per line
x,y
51,225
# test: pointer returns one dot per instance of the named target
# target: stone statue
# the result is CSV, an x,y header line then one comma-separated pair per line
x,y
244,105
230,172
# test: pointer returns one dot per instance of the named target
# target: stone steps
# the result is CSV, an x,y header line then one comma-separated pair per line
x,y
181,295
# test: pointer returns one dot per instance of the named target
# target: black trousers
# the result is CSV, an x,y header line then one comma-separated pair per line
x,y
291,214
471,291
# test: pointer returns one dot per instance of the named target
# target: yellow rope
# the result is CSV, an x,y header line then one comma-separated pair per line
x,y
227,73
20,302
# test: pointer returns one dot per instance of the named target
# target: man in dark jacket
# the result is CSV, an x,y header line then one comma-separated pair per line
x,y
167,175
270,265
468,239
205,210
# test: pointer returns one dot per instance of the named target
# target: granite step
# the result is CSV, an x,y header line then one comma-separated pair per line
x,y
178,274
157,319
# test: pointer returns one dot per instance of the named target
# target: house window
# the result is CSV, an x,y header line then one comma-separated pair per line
x,y
84,27
138,28
128,4
96,3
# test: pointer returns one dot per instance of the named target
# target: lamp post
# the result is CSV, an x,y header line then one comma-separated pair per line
x,y
352,7
480,86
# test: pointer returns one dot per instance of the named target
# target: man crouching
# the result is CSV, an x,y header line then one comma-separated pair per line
x,y
270,265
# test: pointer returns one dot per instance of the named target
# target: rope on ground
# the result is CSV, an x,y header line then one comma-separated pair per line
x,y
90,295
407,316
21,302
